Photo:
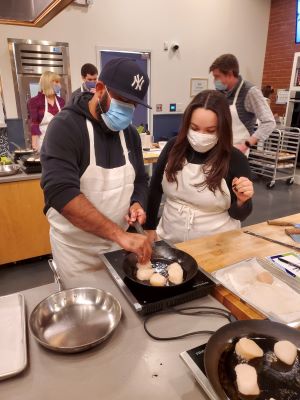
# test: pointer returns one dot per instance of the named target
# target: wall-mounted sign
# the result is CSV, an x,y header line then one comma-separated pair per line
x,y
282,96
198,85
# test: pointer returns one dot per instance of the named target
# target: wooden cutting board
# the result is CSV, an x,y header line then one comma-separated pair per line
x,y
217,251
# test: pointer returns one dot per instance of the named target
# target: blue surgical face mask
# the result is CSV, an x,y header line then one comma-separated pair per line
x,y
220,85
56,88
119,114
90,85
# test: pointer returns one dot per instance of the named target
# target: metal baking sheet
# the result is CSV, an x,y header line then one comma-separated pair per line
x,y
13,352
277,274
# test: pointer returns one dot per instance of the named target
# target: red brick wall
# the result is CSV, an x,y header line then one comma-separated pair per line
x,y
280,48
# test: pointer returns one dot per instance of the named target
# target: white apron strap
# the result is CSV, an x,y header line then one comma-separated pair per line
x,y
237,93
92,145
57,104
124,147
46,105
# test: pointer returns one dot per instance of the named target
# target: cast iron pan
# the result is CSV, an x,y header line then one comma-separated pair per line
x,y
162,257
275,379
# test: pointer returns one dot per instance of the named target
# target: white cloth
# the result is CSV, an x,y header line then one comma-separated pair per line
x,y
191,212
45,122
110,191
240,132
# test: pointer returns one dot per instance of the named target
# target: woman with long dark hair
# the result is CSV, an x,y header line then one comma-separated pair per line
x,y
204,178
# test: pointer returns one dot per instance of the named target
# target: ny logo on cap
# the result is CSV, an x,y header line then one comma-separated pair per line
x,y
138,82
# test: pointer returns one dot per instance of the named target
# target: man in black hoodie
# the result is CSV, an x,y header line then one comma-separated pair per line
x,y
93,172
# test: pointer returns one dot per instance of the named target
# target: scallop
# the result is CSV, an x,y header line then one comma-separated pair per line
x,y
246,379
158,280
265,277
147,265
144,274
248,349
175,272
286,351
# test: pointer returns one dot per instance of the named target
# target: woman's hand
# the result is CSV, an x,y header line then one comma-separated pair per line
x,y
243,189
136,213
152,235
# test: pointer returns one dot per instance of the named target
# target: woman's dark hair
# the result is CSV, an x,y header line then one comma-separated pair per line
x,y
217,163
226,63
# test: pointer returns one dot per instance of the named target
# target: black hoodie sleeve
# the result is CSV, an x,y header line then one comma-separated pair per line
x,y
61,159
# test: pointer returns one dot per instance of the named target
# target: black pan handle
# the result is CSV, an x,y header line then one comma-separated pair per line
x,y
138,227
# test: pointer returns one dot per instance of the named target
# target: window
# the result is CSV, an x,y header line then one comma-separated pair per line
x,y
298,22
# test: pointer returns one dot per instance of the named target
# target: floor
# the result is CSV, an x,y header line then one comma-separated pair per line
x,y
267,204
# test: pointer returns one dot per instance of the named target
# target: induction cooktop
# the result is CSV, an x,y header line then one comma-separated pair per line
x,y
194,359
147,300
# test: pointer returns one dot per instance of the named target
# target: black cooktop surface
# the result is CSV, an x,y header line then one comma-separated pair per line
x,y
197,355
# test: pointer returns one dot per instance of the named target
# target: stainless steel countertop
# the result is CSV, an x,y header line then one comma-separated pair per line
x,y
128,366
21,176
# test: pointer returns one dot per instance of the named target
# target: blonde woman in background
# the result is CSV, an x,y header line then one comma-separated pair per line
x,y
44,106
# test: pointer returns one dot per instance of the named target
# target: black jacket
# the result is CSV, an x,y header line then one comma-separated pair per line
x,y
65,154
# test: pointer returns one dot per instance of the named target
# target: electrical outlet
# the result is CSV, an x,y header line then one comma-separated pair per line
x,y
179,107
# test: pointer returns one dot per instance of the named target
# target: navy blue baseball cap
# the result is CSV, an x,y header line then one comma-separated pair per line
x,y
125,77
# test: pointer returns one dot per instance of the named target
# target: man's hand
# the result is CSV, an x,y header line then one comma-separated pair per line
x,y
243,189
81,213
136,213
152,235
242,147
135,243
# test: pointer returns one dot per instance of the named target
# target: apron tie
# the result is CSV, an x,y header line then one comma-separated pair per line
x,y
190,218
180,209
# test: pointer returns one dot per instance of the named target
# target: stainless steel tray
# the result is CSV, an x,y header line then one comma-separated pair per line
x,y
13,353
283,277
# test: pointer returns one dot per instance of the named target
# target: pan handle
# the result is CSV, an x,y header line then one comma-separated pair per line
x,y
57,278
138,227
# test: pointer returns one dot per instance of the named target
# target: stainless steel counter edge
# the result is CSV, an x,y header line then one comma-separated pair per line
x,y
21,176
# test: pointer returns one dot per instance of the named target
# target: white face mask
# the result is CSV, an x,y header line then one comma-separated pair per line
x,y
202,142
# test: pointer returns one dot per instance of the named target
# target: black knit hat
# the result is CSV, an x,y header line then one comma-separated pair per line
x,y
125,77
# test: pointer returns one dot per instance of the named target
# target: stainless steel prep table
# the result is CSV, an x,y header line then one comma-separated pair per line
x,y
130,365
21,176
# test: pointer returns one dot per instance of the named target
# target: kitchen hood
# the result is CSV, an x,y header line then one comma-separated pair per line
x,y
30,12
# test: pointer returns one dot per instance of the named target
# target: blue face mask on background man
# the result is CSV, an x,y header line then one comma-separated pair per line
x,y
220,85
119,114
90,85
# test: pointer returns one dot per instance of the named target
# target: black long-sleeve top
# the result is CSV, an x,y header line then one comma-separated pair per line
x,y
65,154
238,167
